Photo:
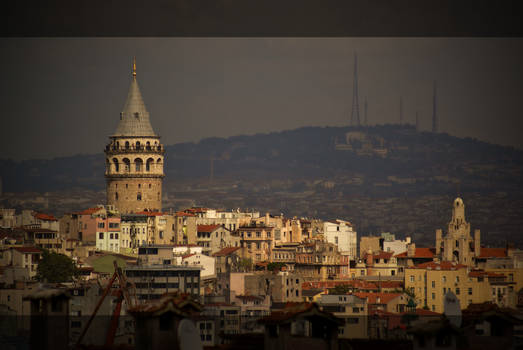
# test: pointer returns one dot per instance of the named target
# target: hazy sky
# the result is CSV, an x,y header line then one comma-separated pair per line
x,y
62,96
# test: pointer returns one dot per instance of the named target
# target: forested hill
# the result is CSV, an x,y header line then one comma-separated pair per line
x,y
394,154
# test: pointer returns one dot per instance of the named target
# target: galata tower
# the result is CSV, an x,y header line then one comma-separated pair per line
x,y
134,158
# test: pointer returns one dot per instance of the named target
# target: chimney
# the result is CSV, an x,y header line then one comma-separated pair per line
x,y
477,242
411,250
369,258
438,241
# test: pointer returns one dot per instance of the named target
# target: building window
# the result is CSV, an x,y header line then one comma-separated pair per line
x,y
470,291
101,225
433,284
444,279
139,196
116,195
111,236
433,308
116,236
101,235
412,278
433,296
457,291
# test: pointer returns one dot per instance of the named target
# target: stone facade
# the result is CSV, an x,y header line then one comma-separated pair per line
x,y
134,159
458,245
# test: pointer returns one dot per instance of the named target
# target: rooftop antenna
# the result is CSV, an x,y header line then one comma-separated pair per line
x,y
355,114
134,67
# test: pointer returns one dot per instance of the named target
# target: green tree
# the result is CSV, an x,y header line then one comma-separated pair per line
x,y
246,264
340,289
55,268
275,266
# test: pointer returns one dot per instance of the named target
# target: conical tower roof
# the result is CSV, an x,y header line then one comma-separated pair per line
x,y
134,119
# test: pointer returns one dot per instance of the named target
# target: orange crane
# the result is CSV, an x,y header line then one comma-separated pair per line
x,y
126,291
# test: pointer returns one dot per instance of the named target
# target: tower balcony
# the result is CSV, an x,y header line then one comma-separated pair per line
x,y
110,150
133,175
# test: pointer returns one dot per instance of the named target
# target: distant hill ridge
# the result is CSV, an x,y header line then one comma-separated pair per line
x,y
379,153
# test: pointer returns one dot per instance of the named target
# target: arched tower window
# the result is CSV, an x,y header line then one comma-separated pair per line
x,y
126,144
138,196
127,165
138,164
148,146
116,195
137,144
158,196
117,144
148,164
116,167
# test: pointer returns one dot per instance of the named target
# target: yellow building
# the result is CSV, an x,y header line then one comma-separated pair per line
x,y
430,281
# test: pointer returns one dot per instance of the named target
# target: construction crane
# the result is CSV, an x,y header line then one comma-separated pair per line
x,y
126,291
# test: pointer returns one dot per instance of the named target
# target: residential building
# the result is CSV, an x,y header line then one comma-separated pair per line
x,y
341,233
352,309
257,242
282,287
429,282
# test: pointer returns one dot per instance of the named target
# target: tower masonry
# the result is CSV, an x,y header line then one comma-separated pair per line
x,y
458,245
134,158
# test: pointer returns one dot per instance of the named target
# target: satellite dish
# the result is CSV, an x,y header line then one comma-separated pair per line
x,y
452,309
188,335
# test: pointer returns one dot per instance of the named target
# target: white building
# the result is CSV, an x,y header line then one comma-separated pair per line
x,y
340,233
397,246
108,241
206,263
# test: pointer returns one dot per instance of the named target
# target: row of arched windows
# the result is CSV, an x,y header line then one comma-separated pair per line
x,y
138,164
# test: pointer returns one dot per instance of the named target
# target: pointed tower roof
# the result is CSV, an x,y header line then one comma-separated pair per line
x,y
134,119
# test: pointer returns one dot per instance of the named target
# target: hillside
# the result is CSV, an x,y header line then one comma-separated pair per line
x,y
383,178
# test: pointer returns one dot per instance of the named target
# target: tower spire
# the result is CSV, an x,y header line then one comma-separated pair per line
x,y
355,114
134,67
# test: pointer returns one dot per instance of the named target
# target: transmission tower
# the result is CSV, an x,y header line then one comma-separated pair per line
x,y
435,121
401,110
365,120
355,115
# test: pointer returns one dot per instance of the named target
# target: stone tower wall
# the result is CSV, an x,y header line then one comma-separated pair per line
x,y
134,174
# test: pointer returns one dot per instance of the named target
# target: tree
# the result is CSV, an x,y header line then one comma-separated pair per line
x,y
340,289
55,268
246,264
275,266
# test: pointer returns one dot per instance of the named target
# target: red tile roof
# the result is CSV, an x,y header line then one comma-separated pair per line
x,y
28,250
45,217
226,251
482,273
358,284
443,265
196,210
419,253
380,255
181,213
378,298
492,253
207,228
249,298
151,213
89,211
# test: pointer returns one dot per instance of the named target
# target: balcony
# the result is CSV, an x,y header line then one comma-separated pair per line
x,y
110,150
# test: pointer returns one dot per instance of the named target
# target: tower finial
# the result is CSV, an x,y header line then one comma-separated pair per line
x,y
134,66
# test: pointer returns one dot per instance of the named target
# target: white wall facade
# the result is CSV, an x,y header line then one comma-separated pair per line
x,y
340,233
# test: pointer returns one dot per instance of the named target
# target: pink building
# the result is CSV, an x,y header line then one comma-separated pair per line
x,y
100,226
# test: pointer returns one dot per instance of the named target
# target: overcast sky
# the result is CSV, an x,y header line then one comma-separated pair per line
x,y
63,96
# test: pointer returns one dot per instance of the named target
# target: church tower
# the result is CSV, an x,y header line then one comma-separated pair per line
x,y
458,245
134,158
